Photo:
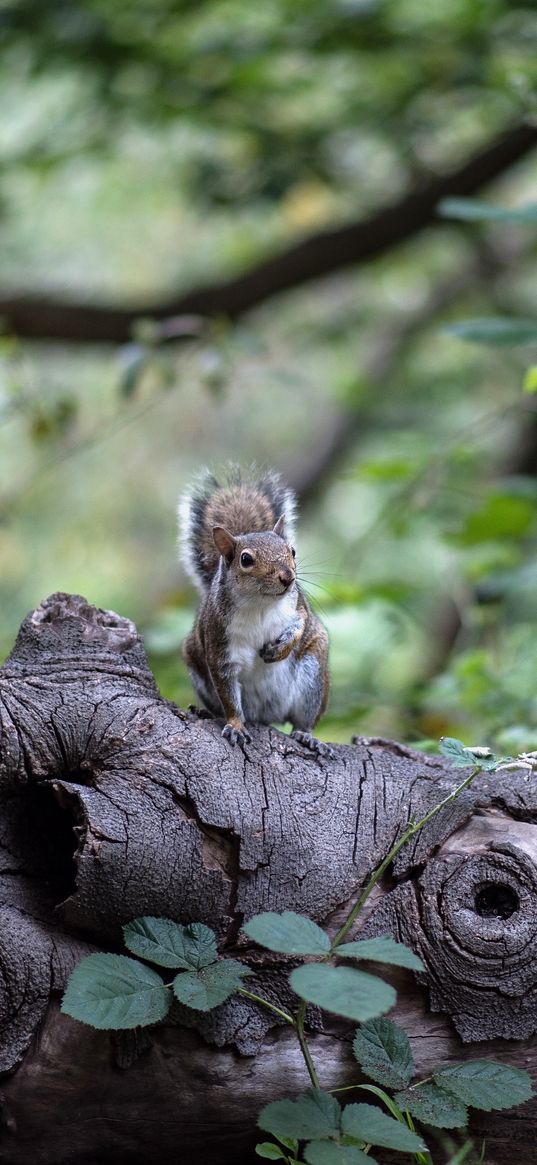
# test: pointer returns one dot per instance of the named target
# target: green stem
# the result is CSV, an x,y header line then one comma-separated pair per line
x,y
343,1088
296,1022
266,1003
299,1023
418,1158
378,873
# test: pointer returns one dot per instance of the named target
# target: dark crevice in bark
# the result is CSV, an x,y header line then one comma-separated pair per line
x,y
53,837
220,851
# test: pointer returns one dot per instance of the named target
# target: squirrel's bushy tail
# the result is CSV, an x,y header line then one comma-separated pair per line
x,y
245,502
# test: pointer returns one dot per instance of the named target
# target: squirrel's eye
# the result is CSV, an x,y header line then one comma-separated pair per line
x,y
247,559
293,551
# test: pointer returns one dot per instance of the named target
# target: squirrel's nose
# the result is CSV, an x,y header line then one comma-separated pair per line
x,y
286,576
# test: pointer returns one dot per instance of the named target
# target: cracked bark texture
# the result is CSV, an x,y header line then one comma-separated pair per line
x,y
115,803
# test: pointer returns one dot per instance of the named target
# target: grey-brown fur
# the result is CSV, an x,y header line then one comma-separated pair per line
x,y
257,652
242,501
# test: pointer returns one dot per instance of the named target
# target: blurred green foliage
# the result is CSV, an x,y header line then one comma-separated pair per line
x,y
155,145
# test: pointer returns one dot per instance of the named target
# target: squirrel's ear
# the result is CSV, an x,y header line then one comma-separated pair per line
x,y
280,526
224,542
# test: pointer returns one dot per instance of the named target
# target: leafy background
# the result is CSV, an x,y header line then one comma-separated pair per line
x,y
151,147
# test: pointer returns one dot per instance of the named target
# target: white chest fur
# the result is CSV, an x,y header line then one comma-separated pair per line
x,y
256,623
268,690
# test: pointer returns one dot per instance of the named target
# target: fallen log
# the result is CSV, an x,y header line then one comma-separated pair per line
x,y
115,803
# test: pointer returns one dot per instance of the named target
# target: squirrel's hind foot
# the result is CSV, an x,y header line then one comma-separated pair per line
x,y
236,735
201,713
308,740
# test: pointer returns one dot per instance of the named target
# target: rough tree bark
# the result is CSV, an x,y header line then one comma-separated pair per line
x,y
115,803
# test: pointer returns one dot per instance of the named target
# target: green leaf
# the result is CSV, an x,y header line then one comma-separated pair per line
x,y
485,1084
210,986
388,469
529,384
381,950
170,945
270,1151
462,756
496,331
314,1114
502,515
367,1123
331,1153
343,990
456,751
288,933
113,991
433,1106
288,1142
472,210
382,1050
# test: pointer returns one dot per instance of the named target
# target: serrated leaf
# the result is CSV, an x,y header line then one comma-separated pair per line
x,y
113,991
288,933
462,756
473,210
288,1142
370,1124
489,764
382,1050
495,331
383,949
314,1114
210,986
456,751
169,944
270,1151
433,1106
331,1153
485,1084
343,990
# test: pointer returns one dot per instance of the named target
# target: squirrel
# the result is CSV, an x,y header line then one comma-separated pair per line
x,y
257,653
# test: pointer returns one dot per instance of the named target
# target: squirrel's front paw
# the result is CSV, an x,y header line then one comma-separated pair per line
x,y
281,647
236,735
271,652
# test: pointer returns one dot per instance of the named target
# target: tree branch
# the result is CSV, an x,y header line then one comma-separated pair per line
x,y
312,258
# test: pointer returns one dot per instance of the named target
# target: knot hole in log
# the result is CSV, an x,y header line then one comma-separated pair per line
x,y
496,900
471,911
